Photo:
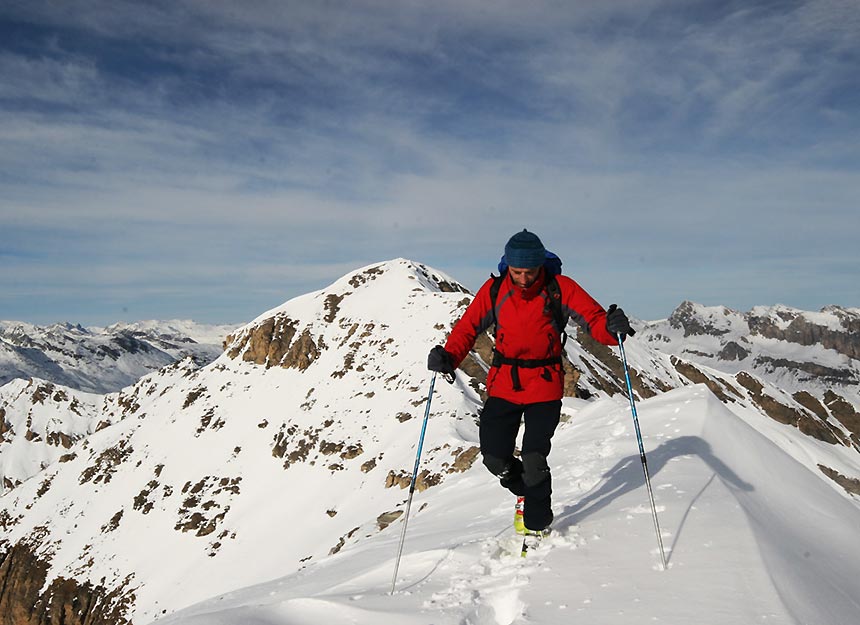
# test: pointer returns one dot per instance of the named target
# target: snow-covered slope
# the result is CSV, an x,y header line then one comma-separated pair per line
x,y
752,536
268,486
102,360
39,422
275,463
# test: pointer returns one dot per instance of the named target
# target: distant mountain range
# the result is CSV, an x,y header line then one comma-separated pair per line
x,y
103,360
143,470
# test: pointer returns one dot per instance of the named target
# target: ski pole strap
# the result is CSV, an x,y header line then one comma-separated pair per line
x,y
526,363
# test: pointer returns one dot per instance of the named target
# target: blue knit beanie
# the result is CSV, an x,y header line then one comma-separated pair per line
x,y
525,251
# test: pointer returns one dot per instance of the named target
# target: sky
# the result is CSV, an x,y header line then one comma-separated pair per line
x,y
210,160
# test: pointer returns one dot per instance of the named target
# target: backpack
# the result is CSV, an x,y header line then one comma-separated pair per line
x,y
552,267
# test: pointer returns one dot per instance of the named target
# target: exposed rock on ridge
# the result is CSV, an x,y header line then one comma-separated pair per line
x,y
64,601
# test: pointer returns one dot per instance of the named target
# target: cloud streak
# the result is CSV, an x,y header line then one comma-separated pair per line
x,y
188,142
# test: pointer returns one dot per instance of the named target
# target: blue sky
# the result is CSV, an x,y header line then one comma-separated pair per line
x,y
209,160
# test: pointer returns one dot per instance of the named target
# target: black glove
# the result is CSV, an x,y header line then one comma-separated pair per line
x,y
618,323
440,361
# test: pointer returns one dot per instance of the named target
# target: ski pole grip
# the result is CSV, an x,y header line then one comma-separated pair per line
x,y
609,310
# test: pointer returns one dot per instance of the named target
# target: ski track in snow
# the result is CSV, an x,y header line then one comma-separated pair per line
x,y
487,579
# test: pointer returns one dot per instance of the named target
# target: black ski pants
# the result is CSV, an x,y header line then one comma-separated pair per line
x,y
528,475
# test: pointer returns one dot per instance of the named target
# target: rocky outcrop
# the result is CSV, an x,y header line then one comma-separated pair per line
x,y
808,360
266,343
850,484
642,386
811,403
685,317
845,414
809,424
475,364
464,459
733,351
806,370
63,602
696,376
387,518
271,343
802,331
403,479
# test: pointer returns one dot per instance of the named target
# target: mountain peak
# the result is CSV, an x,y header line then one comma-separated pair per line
x,y
384,297
697,319
384,279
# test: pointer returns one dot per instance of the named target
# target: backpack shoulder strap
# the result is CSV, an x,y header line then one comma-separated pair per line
x,y
494,295
554,294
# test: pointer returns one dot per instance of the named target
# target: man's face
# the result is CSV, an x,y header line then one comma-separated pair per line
x,y
524,278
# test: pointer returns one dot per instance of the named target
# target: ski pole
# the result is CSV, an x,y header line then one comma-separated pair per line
x,y
412,483
620,338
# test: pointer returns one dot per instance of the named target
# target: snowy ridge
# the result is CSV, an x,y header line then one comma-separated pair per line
x,y
280,470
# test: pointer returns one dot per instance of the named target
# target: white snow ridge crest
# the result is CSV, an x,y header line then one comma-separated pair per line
x,y
268,487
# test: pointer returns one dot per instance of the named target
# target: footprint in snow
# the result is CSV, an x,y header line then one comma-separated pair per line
x,y
489,588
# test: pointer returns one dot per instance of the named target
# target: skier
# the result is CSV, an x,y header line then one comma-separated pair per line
x,y
526,380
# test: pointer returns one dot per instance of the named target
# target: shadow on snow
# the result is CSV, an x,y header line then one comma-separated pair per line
x,y
627,475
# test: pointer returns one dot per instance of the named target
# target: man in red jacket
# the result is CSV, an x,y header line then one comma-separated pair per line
x,y
526,379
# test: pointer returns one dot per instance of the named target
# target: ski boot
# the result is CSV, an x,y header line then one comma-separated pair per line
x,y
519,526
532,539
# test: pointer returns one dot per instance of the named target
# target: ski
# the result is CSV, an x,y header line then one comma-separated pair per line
x,y
532,540
525,549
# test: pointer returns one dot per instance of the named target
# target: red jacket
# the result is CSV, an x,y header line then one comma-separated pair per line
x,y
525,329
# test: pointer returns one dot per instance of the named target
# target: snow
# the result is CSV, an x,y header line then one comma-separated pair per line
x,y
752,536
784,315
38,411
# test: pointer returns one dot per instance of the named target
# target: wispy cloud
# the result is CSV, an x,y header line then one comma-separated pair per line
x,y
183,143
